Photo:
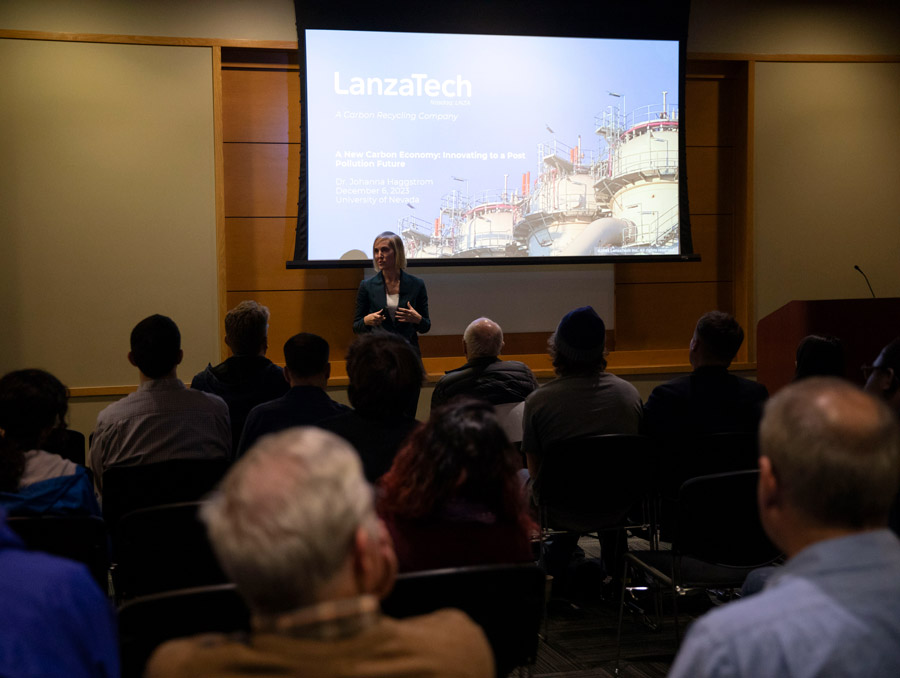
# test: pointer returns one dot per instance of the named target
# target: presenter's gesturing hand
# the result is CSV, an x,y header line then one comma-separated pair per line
x,y
374,319
408,315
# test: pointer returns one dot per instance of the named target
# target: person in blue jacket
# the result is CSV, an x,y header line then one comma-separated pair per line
x,y
55,619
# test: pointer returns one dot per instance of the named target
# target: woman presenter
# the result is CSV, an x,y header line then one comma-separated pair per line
x,y
392,299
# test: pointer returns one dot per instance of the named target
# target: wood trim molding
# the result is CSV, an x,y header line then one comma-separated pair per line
x,y
94,391
795,58
218,140
168,41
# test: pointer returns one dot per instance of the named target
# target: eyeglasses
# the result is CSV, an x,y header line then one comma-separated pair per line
x,y
867,371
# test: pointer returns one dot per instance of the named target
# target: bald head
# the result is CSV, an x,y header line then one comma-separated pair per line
x,y
483,338
834,452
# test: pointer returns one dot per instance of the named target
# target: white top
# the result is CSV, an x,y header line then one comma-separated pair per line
x,y
40,465
393,301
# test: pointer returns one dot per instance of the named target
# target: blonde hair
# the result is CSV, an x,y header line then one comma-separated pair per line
x,y
397,243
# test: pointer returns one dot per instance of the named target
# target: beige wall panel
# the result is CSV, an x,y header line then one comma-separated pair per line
x,y
257,250
328,313
663,316
710,180
108,204
261,106
713,240
262,180
794,27
827,174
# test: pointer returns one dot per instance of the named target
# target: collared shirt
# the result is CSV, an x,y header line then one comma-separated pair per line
x,y
328,620
833,610
160,421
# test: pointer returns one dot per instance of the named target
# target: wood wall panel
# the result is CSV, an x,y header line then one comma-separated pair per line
x,y
328,313
710,108
710,175
713,240
261,106
662,316
656,304
262,180
257,250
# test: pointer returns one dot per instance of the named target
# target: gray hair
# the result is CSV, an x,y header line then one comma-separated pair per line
x,y
284,519
835,452
483,338
396,242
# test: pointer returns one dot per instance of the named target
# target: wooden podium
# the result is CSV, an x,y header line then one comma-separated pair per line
x,y
864,327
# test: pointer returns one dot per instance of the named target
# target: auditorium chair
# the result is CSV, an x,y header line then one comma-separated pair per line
x,y
162,548
128,488
718,541
597,484
507,601
81,538
148,621
682,458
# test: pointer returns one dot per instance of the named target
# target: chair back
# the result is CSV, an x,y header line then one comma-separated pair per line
x,y
507,601
705,454
67,443
591,483
163,548
81,538
128,488
510,417
148,621
718,521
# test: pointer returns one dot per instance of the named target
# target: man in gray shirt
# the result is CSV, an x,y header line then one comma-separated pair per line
x,y
584,400
163,419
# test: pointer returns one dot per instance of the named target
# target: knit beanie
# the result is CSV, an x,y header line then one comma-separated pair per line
x,y
581,335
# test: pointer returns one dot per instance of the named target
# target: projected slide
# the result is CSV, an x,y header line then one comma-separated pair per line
x,y
475,146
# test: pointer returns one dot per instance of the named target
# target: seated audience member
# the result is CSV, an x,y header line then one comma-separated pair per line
x,y
294,527
485,376
248,377
163,419
883,382
710,399
385,374
829,468
33,481
453,496
883,376
584,400
55,621
306,370
819,357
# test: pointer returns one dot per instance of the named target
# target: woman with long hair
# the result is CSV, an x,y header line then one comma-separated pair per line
x,y
452,496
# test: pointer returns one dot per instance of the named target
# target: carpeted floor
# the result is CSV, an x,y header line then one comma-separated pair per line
x,y
579,639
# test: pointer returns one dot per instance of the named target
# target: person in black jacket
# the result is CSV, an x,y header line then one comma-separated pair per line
x,y
392,299
710,399
485,376
248,377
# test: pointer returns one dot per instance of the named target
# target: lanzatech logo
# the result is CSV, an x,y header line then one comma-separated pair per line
x,y
416,85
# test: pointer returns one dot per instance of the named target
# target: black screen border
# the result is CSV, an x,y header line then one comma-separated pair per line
x,y
648,20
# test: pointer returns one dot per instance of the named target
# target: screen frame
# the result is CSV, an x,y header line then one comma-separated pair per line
x,y
652,20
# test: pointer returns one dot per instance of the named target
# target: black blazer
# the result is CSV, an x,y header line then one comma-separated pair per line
x,y
371,297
